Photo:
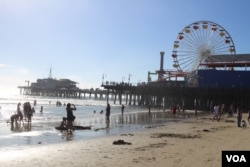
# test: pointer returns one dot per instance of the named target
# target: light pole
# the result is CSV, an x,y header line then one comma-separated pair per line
x,y
103,76
129,75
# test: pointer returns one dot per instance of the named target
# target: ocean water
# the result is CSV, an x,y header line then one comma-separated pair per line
x,y
42,129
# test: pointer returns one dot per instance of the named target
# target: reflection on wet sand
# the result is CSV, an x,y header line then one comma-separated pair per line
x,y
20,127
139,118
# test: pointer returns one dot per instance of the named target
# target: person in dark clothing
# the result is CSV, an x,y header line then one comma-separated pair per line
x,y
70,116
239,116
107,115
123,109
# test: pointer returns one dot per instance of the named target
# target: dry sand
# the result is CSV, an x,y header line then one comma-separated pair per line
x,y
196,142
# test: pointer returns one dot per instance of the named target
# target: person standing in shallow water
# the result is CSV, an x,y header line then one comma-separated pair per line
x,y
70,116
123,109
149,109
107,115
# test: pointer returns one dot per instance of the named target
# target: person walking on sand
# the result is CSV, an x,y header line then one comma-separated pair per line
x,y
70,116
239,116
107,115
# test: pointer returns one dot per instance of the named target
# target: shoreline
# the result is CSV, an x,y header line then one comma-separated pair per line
x,y
44,133
196,142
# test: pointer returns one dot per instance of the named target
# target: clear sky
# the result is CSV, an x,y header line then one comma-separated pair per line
x,y
83,40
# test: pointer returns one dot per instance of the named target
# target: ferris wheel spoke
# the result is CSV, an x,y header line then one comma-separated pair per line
x,y
186,60
188,41
220,47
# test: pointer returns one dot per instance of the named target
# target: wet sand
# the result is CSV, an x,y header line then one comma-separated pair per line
x,y
44,132
194,142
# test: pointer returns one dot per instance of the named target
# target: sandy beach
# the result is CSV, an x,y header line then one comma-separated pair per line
x,y
194,142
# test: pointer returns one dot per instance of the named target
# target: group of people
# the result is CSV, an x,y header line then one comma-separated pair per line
x,y
28,113
18,116
240,122
219,111
67,122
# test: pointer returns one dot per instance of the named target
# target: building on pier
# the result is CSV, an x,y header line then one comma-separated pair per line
x,y
50,87
205,70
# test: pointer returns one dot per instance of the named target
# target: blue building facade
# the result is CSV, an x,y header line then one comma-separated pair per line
x,y
223,79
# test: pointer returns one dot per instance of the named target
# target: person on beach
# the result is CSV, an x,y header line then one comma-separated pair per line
x,y
221,111
239,116
70,116
149,109
174,110
63,123
216,113
30,113
107,115
231,110
211,109
14,118
18,107
19,112
122,109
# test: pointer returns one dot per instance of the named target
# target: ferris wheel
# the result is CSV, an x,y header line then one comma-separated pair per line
x,y
197,41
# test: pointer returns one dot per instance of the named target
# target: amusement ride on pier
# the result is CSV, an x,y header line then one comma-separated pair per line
x,y
202,45
206,68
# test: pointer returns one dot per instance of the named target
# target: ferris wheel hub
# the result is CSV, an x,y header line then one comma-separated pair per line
x,y
205,52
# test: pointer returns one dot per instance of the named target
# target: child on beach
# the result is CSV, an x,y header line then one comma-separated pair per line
x,y
63,123
19,112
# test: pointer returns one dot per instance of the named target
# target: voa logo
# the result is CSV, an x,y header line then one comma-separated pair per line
x,y
236,158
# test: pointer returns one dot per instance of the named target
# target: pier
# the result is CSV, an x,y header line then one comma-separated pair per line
x,y
198,89
156,94
168,93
